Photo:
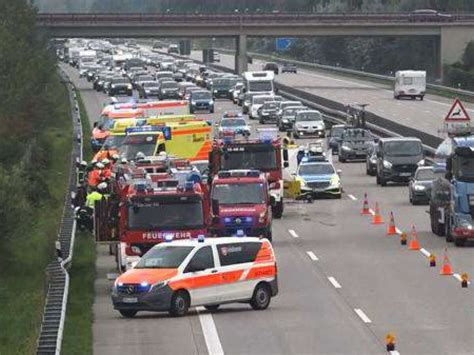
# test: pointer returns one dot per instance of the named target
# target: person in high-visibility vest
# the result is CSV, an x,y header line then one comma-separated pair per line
x,y
97,194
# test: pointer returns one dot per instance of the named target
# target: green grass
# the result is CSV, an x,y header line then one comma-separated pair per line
x,y
77,338
32,246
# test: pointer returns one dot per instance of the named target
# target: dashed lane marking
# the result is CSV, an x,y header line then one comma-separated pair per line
x,y
293,233
398,230
362,315
352,197
425,252
213,343
312,256
371,211
334,282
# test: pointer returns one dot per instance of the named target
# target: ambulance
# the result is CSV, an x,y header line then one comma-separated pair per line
x,y
176,275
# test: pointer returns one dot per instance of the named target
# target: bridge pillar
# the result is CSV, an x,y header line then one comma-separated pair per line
x,y
454,40
241,54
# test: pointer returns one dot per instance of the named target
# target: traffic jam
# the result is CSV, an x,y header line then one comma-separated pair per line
x,y
186,194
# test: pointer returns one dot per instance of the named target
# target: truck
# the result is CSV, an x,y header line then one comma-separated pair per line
x,y
452,195
151,202
264,153
240,200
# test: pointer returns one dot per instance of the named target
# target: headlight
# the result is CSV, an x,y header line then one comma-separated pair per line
x,y
335,181
465,222
215,91
211,102
129,86
113,86
346,148
147,91
421,162
261,217
284,120
193,102
387,164
419,188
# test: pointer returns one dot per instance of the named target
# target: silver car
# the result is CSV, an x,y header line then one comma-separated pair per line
x,y
309,123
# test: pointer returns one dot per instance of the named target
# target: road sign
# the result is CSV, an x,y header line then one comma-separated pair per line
x,y
457,121
457,112
283,44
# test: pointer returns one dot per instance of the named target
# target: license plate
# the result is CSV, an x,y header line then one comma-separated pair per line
x,y
405,174
130,300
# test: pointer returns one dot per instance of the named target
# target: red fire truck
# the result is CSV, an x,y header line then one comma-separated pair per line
x,y
264,153
152,201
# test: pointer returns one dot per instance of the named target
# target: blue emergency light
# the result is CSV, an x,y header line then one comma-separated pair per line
x,y
189,185
240,233
168,238
201,238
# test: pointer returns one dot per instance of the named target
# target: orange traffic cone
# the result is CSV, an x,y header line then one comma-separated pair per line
x,y
377,218
365,207
391,229
446,268
414,243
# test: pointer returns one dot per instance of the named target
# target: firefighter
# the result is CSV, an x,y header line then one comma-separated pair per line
x,y
107,174
300,155
96,194
96,175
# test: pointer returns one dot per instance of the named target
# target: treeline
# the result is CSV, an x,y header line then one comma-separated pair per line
x,y
214,6
461,75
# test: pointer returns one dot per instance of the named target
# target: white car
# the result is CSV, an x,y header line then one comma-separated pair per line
x,y
309,123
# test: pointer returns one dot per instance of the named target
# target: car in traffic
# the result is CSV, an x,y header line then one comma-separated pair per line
x,y
309,123
169,277
168,90
268,112
419,187
236,92
398,158
285,123
289,68
201,100
271,66
148,89
221,88
256,102
355,143
371,159
231,126
335,137
318,177
120,86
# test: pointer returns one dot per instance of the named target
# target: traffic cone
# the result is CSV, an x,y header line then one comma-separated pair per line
x,y
446,269
365,207
414,243
391,229
377,218
390,342
403,238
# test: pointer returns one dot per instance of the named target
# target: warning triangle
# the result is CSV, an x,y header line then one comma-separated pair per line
x,y
457,112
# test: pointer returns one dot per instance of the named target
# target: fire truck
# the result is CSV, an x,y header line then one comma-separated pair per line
x,y
264,153
240,200
152,201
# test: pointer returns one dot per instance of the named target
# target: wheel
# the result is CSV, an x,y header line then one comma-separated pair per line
x,y
261,297
383,182
421,97
338,196
448,233
278,210
261,121
341,159
212,307
459,242
128,313
179,303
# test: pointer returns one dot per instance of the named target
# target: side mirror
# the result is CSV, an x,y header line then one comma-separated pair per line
x,y
339,172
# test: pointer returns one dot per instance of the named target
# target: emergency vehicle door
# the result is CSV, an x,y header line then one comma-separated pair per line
x,y
202,277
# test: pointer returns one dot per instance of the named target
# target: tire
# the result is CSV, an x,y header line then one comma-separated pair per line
x,y
383,182
179,303
459,242
261,121
421,98
261,298
212,307
341,159
128,313
278,210
338,196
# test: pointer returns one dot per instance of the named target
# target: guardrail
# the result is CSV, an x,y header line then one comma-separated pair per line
x,y
469,95
54,314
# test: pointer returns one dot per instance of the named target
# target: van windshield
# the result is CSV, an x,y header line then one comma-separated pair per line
x,y
164,257
260,86
463,168
251,193
316,169
260,100
309,116
403,149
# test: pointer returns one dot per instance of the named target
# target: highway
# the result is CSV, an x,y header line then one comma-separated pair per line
x,y
343,284
427,115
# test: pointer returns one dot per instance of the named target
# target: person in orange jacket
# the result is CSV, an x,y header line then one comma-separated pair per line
x,y
96,176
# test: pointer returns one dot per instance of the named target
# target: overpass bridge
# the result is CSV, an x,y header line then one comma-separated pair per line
x,y
454,31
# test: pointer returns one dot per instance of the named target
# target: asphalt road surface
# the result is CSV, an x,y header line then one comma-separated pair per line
x,y
427,115
343,284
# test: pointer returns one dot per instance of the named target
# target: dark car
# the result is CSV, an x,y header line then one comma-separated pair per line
x,y
222,87
201,100
355,143
335,137
168,90
371,160
419,187
289,68
268,112
271,66
120,86
398,159
147,89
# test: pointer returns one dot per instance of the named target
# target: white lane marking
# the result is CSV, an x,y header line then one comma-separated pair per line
x,y
371,211
398,231
394,352
293,233
458,277
312,256
352,197
362,315
334,282
425,252
213,343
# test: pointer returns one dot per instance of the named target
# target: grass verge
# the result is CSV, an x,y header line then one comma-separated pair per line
x,y
77,338
23,284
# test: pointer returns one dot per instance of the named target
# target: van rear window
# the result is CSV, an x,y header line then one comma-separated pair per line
x,y
238,253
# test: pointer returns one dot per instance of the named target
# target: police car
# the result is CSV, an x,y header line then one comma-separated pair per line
x,y
232,124
318,177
